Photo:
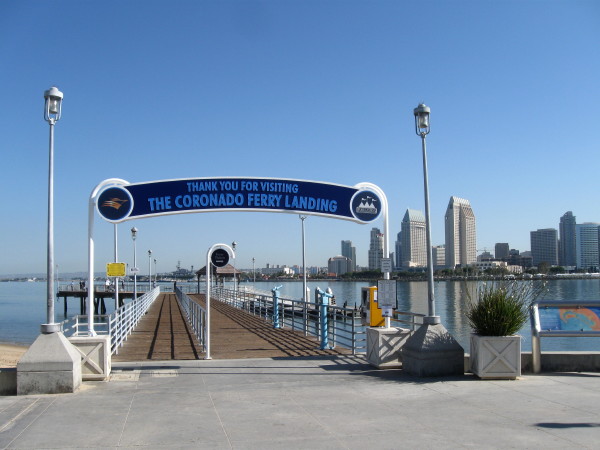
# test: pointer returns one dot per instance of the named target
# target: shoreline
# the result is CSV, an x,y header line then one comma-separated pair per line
x,y
10,353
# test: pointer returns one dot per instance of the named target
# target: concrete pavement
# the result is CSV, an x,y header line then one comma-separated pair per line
x,y
298,403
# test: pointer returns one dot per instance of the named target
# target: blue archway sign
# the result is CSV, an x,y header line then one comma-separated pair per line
x,y
116,201
134,201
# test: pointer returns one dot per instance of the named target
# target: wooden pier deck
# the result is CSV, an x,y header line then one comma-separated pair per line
x,y
164,334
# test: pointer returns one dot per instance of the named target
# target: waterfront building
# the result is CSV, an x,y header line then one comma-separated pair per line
x,y
339,265
349,252
486,264
438,254
375,249
586,236
501,251
398,252
414,239
544,246
567,244
274,270
461,234
485,256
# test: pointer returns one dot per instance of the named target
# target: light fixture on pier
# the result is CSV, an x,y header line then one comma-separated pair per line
x,y
134,231
52,110
422,129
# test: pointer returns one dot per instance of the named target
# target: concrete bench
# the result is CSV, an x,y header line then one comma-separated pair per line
x,y
562,319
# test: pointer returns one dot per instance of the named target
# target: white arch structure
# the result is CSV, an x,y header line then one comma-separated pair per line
x,y
116,200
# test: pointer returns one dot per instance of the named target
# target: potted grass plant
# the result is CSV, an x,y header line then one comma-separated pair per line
x,y
496,314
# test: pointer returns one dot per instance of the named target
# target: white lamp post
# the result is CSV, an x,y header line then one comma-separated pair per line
x,y
149,270
134,231
233,245
253,270
422,129
53,103
303,218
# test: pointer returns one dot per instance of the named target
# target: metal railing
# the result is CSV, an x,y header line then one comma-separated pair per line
x,y
345,325
117,325
196,315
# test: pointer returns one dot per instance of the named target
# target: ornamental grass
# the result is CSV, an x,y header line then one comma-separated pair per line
x,y
501,308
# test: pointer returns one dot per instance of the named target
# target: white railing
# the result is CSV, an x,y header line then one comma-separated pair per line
x,y
118,325
196,315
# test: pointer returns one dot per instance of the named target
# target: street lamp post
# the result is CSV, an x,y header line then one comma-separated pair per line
x,y
155,273
149,270
253,270
303,218
422,129
233,245
52,110
134,231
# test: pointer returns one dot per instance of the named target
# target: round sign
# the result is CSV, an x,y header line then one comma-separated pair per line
x,y
365,206
114,204
219,257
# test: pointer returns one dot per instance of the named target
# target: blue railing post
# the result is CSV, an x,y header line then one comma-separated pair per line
x,y
275,291
323,306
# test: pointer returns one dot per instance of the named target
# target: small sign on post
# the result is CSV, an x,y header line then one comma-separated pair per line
x,y
115,270
386,265
386,294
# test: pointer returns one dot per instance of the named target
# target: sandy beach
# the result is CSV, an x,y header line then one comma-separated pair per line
x,y
10,354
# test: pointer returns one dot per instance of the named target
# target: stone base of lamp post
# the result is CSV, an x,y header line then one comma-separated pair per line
x,y
432,352
51,365
384,346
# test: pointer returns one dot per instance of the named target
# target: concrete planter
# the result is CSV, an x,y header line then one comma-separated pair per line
x,y
496,357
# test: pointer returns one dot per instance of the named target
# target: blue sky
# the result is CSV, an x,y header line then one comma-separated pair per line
x,y
315,90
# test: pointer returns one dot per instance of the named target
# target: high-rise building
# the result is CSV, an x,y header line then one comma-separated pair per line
x,y
414,239
438,254
398,252
349,252
375,249
339,265
501,251
461,234
587,245
567,250
544,246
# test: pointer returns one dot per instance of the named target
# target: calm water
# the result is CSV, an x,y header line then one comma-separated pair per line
x,y
23,306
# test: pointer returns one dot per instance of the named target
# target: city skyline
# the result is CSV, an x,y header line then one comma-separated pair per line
x,y
320,91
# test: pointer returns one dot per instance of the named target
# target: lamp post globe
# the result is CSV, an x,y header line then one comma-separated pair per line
x,y
53,104
421,113
52,111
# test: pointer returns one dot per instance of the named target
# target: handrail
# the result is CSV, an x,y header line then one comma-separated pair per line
x,y
117,325
344,325
196,315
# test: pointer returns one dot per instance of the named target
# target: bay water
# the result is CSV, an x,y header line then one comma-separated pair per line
x,y
23,305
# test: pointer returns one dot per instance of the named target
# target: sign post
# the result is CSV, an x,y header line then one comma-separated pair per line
x,y
218,255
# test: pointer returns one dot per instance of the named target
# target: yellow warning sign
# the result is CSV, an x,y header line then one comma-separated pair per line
x,y
115,269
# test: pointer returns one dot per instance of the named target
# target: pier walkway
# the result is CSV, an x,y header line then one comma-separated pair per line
x,y
164,334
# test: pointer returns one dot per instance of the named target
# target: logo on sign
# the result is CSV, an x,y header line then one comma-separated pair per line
x,y
115,204
366,206
219,257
